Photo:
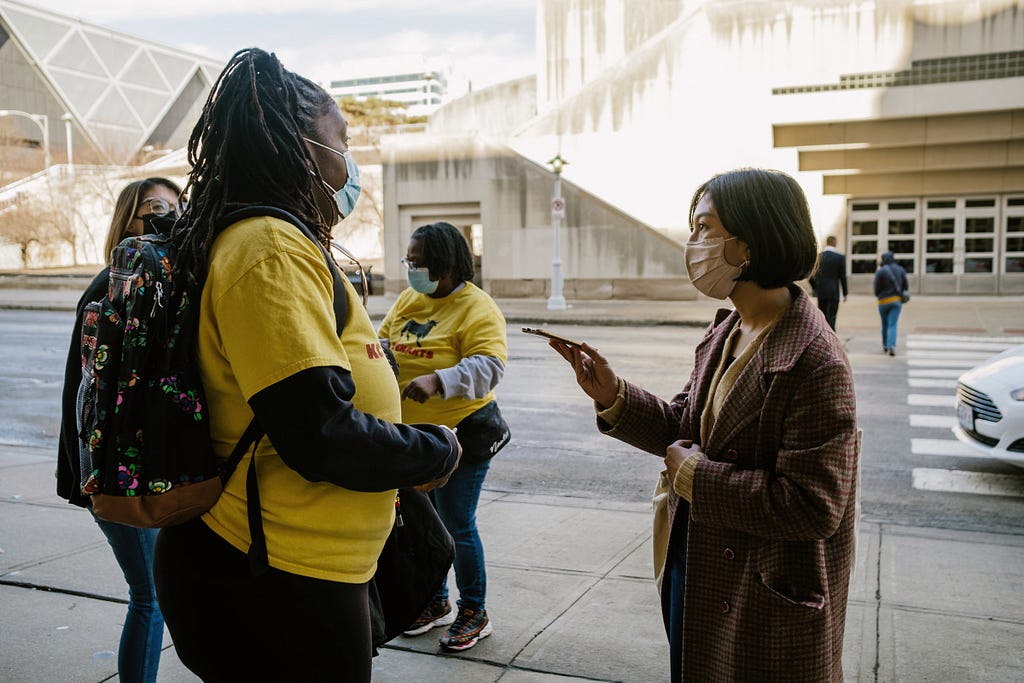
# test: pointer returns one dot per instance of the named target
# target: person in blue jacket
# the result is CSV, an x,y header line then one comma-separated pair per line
x,y
891,290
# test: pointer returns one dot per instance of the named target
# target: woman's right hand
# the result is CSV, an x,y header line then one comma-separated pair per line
x,y
593,374
443,479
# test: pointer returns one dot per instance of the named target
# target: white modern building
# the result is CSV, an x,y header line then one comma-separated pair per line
x,y
902,119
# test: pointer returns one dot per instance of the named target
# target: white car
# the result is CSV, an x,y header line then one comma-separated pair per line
x,y
990,407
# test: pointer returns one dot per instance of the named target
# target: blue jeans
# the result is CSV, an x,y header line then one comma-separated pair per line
x,y
138,656
890,314
673,584
455,503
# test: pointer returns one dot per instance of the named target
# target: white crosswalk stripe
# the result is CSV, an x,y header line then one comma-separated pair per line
x,y
962,344
962,339
937,421
985,483
944,400
951,373
948,354
934,363
929,383
944,447
942,363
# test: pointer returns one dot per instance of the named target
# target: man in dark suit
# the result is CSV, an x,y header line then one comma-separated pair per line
x,y
826,281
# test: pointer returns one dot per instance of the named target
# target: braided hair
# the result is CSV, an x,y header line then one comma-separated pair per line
x,y
247,148
445,251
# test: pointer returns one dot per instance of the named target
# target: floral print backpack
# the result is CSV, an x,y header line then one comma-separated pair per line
x,y
144,427
145,452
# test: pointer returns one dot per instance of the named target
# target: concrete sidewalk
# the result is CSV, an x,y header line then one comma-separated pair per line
x,y
570,592
570,584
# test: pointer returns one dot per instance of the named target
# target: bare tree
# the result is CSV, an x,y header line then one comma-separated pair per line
x,y
92,196
23,224
62,214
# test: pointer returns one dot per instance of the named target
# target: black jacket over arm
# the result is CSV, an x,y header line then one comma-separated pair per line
x,y
310,419
68,471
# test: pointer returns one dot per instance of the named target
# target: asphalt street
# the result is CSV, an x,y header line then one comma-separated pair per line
x,y
565,512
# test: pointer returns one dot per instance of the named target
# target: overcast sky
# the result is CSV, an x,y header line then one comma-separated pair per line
x,y
489,41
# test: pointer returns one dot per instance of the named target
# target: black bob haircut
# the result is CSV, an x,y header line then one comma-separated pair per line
x,y
445,251
767,210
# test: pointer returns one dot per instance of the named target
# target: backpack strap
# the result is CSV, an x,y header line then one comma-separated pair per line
x,y
258,560
894,276
250,436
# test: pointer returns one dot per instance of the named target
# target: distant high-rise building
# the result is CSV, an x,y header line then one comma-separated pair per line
x,y
421,85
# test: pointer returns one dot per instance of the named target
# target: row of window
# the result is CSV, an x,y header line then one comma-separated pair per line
x,y
432,92
396,78
957,235
925,72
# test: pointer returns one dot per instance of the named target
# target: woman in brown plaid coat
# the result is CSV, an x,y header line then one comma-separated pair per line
x,y
759,447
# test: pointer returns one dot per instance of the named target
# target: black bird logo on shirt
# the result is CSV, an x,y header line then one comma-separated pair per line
x,y
418,330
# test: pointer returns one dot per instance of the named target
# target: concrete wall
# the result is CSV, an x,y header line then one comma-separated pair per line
x,y
675,105
496,112
605,252
646,99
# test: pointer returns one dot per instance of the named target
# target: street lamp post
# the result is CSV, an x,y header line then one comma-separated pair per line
x,y
41,120
556,302
67,118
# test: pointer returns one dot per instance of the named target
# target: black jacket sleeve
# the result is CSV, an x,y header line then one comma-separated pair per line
x,y
310,419
68,474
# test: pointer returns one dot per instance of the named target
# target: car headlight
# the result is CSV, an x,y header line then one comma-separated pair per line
x,y
1017,394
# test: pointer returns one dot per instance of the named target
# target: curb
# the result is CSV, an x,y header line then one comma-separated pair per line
x,y
511,319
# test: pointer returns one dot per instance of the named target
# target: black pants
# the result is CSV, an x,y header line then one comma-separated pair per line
x,y
830,307
228,625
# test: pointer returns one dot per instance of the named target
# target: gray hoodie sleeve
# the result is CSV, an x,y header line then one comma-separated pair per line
x,y
472,377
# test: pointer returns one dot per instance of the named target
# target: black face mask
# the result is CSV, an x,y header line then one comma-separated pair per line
x,y
152,224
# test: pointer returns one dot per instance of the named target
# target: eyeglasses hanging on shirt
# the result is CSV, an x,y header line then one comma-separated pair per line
x,y
359,269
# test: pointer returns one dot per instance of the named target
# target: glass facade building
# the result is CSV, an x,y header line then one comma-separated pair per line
x,y
121,95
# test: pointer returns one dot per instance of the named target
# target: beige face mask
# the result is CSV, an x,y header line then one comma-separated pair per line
x,y
709,272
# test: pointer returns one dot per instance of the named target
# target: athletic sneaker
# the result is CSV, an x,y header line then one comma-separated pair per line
x,y
438,613
470,626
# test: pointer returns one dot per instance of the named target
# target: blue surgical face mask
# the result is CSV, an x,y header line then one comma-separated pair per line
x,y
419,279
346,196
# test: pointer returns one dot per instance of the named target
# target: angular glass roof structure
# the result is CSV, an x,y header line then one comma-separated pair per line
x,y
122,93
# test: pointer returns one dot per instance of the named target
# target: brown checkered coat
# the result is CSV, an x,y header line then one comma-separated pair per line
x,y
770,538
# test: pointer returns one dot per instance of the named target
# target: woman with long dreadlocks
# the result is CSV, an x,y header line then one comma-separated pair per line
x,y
268,346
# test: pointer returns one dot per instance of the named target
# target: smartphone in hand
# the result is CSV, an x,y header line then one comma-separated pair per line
x,y
550,335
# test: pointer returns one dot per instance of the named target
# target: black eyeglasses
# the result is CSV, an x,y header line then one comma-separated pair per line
x,y
359,270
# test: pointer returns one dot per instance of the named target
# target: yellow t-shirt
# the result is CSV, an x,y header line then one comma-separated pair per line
x,y
267,313
429,334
